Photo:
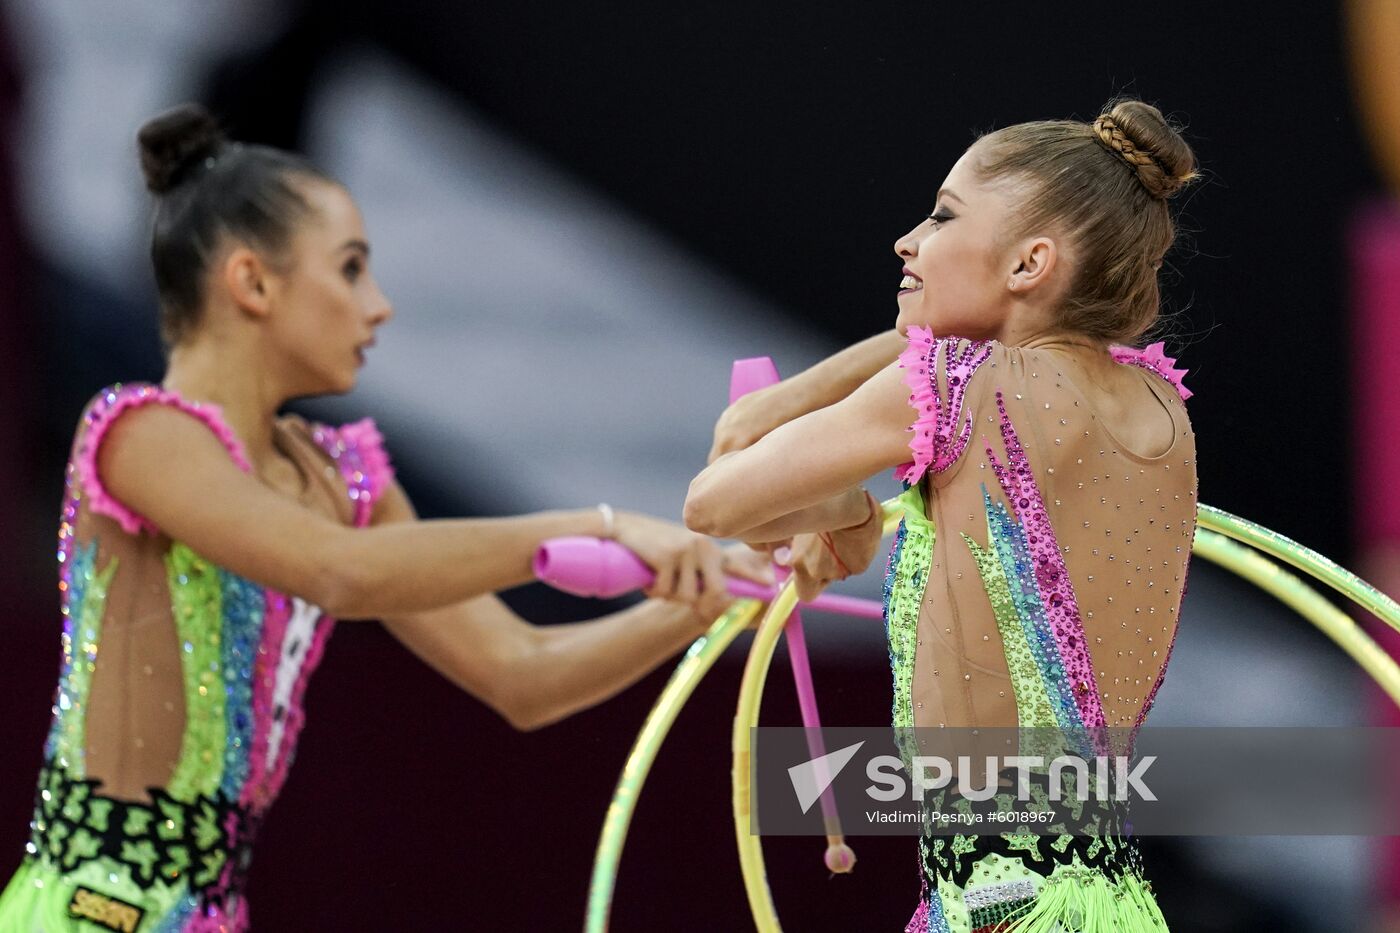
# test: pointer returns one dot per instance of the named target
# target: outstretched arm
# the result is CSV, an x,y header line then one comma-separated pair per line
x,y
537,675
230,518
828,382
802,476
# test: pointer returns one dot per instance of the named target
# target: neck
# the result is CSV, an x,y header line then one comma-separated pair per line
x,y
228,374
1032,328
1037,337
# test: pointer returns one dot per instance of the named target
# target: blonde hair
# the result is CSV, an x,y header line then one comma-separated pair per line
x,y
1105,184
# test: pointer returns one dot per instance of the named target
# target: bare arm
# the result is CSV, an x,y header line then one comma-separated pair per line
x,y
836,512
230,518
537,675
826,383
800,477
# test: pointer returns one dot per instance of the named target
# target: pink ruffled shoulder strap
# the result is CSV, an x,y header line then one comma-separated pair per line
x,y
103,411
1154,359
358,450
938,371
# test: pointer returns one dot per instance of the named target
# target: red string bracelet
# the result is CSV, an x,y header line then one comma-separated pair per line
x,y
825,537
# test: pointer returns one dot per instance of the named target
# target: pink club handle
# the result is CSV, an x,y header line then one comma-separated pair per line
x,y
603,569
747,376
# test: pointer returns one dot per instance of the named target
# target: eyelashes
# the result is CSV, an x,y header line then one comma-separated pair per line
x,y
940,217
352,269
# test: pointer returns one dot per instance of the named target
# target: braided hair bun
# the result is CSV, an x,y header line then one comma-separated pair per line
x,y
174,142
1139,134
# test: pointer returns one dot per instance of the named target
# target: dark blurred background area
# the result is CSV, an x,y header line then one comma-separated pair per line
x,y
583,213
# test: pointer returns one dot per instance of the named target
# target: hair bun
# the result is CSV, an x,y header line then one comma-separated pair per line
x,y
173,141
1142,137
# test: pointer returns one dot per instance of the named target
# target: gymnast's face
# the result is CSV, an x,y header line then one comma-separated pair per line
x,y
328,305
957,263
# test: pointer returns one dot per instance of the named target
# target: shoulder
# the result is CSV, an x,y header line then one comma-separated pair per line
x,y
358,451
143,418
106,408
948,380
924,354
1154,359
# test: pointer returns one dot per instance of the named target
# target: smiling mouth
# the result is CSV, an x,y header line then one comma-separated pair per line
x,y
910,283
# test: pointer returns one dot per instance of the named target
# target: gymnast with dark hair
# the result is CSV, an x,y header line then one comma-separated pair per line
x,y
207,544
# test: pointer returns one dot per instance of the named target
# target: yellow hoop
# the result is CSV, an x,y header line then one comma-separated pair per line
x,y
1214,529
1216,540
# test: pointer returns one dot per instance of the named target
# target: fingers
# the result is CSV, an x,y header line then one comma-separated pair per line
x,y
711,607
715,593
688,576
728,444
857,546
664,586
741,425
750,565
691,569
712,561
718,449
727,438
809,558
769,547
700,581
811,574
697,579
808,588
812,567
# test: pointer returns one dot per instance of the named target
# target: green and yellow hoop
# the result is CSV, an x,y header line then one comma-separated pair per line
x,y
1223,539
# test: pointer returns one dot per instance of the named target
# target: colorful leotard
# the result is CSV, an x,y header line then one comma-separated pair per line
x,y
1035,581
179,697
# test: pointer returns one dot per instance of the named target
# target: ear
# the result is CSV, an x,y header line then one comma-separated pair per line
x,y
247,279
1035,262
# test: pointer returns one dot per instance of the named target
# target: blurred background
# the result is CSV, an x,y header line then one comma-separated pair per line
x,y
583,213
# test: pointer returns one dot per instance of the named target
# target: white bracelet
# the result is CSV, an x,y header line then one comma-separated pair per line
x,y
609,520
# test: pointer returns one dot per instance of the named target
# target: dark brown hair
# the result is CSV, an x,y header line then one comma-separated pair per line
x,y
208,188
1105,185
